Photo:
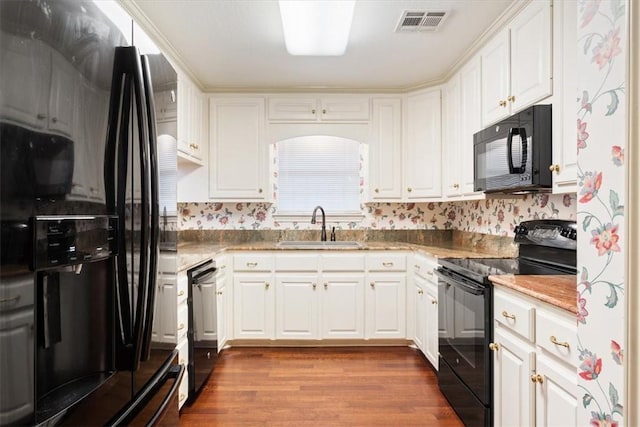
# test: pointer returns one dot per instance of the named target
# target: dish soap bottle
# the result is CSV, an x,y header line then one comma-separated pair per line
x,y
333,234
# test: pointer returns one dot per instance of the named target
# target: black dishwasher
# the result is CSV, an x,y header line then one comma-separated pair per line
x,y
202,334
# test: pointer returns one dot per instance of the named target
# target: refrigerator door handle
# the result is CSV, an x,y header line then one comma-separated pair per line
x,y
168,371
143,141
115,179
155,209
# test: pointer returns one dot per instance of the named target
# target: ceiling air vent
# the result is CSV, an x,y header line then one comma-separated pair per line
x,y
414,20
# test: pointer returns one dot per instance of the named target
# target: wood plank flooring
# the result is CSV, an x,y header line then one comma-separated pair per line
x,y
346,386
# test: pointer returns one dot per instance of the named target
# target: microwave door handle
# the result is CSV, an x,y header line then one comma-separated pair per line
x,y
512,131
521,132
525,152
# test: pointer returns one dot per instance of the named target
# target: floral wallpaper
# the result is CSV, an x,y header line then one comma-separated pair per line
x,y
601,138
491,216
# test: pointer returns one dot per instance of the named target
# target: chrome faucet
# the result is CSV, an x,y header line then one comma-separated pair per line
x,y
323,234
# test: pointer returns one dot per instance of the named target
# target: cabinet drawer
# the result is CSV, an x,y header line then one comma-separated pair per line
x,y
183,321
514,314
423,267
343,262
182,288
387,262
557,333
16,292
252,262
297,262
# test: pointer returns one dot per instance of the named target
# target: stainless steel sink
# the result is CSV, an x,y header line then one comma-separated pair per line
x,y
307,244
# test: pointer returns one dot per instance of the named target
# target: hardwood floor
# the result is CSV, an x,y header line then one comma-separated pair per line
x,y
390,386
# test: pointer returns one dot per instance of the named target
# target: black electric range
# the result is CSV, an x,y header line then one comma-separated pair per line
x,y
546,247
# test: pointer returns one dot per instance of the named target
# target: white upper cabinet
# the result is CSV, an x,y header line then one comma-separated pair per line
x,y
342,108
48,104
190,117
470,123
516,63
565,166
451,149
422,162
238,150
385,150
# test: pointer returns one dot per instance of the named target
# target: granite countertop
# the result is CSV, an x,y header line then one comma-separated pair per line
x,y
190,254
559,291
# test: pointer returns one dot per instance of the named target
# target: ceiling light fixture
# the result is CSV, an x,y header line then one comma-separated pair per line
x,y
316,28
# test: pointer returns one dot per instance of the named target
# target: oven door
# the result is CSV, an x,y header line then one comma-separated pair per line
x,y
466,317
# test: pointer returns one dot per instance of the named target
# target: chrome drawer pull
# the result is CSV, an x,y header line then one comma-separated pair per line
x,y
555,341
387,264
509,316
252,264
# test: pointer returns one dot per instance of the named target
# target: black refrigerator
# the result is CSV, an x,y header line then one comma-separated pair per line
x,y
79,223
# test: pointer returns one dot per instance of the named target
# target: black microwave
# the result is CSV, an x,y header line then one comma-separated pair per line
x,y
514,155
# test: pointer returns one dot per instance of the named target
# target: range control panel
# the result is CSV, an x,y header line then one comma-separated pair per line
x,y
69,240
547,232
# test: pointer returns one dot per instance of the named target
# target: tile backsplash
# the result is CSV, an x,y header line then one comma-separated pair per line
x,y
491,216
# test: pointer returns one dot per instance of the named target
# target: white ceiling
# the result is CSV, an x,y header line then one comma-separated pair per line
x,y
239,44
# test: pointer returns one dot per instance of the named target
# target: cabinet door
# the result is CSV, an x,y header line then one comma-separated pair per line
x,y
16,356
24,60
423,150
386,306
238,151
297,306
195,123
513,393
342,306
344,109
470,121
385,150
431,331
451,138
183,111
222,311
167,328
565,22
292,109
253,306
531,55
420,318
495,78
557,395
61,95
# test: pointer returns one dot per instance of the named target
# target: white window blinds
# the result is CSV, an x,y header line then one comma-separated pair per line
x,y
168,171
318,170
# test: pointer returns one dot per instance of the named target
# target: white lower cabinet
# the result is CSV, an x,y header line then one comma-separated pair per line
x,y
386,305
316,295
297,306
342,306
556,394
224,301
534,373
424,307
183,359
253,306
513,364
